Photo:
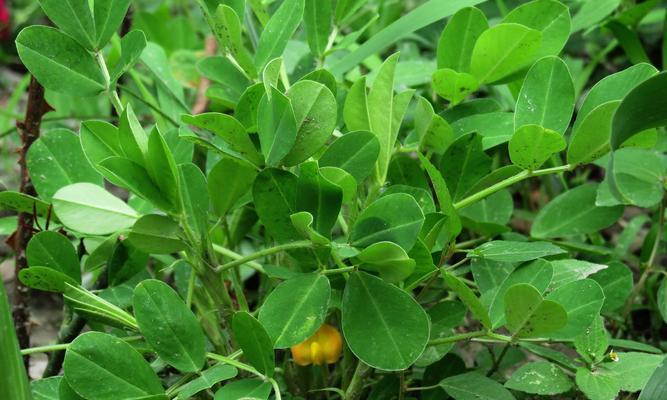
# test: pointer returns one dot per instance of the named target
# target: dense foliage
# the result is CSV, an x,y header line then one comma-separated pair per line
x,y
361,199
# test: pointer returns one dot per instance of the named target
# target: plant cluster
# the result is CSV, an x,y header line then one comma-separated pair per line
x,y
278,203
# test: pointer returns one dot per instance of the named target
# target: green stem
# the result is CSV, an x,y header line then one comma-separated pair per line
x,y
508,182
260,254
457,338
420,388
247,368
356,386
338,271
45,349
63,346
113,95
236,256
497,361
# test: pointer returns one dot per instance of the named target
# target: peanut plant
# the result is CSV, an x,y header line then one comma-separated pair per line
x,y
356,199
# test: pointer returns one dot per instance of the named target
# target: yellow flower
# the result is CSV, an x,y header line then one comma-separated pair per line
x,y
324,346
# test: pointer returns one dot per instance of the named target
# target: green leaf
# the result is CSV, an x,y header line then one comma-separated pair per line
x,y
541,377
453,222
161,168
95,308
228,29
616,281
274,194
169,326
597,386
244,389
468,298
109,15
53,250
324,77
574,212
156,234
493,211
347,8
46,279
230,130
67,393
463,164
73,18
495,127
381,113
458,39
438,136
315,112
321,198
551,17
593,342
278,31
453,86
474,386
590,140
502,50
126,173
508,251
489,275
355,109
591,13
422,196
637,176
424,15
276,126
343,180
547,94
642,108
532,145
78,204
582,300
318,21
194,195
271,74
295,309
387,259
56,160
131,45
46,388
99,140
208,378
570,270
21,202
154,58
537,273
132,137
255,342
656,386
395,218
613,87
229,82
14,378
58,62
633,370
383,325
405,170
104,367
228,181
527,314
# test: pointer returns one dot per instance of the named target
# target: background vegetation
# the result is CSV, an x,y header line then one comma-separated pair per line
x,y
364,199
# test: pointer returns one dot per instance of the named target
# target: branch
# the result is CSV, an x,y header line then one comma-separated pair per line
x,y
29,132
